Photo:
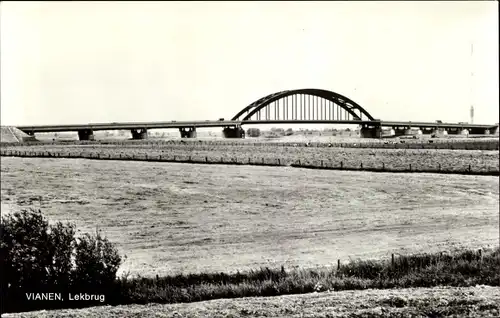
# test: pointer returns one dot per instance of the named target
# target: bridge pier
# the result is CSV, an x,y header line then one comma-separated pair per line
x,y
140,133
370,131
189,132
86,134
457,131
452,131
427,130
233,132
408,131
402,131
397,131
479,131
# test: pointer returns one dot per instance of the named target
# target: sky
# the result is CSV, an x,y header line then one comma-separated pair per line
x,y
95,62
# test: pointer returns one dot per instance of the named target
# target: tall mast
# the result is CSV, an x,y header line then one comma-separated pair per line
x,y
471,83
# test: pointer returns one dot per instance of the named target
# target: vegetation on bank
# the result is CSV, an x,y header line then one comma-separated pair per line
x,y
465,268
41,258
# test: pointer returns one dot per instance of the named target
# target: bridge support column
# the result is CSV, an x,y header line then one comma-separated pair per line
x,y
370,131
398,131
188,132
426,130
86,134
453,131
141,133
479,131
233,132
402,131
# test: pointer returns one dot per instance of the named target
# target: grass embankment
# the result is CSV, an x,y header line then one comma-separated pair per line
x,y
465,268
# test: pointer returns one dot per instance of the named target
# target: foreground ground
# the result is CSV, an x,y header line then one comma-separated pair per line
x,y
173,218
479,301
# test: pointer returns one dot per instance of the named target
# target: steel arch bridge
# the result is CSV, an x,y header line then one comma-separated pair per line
x,y
304,105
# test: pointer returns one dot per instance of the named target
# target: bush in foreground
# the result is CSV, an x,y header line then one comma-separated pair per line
x,y
39,258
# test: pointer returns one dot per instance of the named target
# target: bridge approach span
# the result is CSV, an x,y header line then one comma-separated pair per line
x,y
188,128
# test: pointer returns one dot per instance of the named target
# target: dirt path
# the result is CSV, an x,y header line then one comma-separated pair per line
x,y
479,301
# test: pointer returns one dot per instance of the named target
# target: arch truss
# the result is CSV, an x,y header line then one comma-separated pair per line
x,y
303,105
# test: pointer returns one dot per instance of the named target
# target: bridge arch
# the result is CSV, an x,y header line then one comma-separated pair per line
x,y
349,106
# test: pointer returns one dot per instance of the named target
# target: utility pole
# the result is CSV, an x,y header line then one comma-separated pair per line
x,y
471,83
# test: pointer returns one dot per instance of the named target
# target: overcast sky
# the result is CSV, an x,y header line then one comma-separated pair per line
x,y
81,62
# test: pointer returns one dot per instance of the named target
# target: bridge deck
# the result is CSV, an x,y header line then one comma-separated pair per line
x,y
233,123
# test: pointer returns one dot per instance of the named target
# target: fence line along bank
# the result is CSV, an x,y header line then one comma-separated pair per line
x,y
327,164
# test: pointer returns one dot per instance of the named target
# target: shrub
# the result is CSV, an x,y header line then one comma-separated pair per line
x,y
278,131
96,261
23,249
253,132
41,258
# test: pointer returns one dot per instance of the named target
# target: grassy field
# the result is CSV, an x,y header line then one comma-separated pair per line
x,y
479,301
459,161
175,218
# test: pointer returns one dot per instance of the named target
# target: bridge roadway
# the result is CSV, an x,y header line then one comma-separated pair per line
x,y
236,123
